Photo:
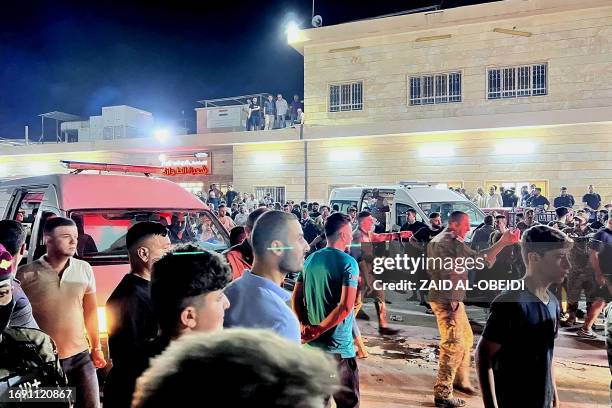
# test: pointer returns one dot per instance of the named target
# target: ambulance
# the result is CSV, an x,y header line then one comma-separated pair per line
x,y
104,206
395,200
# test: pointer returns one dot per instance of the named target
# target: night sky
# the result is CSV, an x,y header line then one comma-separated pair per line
x,y
161,56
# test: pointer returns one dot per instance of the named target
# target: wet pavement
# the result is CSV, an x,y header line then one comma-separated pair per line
x,y
401,369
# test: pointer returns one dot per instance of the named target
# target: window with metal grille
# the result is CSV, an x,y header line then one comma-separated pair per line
x,y
435,88
346,96
512,82
277,193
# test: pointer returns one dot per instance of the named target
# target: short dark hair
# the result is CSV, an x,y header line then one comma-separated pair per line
x,y
563,188
315,203
221,205
538,189
52,223
271,226
456,216
12,236
235,234
324,206
144,229
334,223
180,277
352,209
542,239
266,371
434,215
561,211
500,217
336,207
254,216
488,220
363,214
411,210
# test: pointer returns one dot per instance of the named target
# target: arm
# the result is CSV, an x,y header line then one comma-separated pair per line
x,y
554,384
389,236
485,351
91,326
347,302
297,303
315,241
594,260
508,238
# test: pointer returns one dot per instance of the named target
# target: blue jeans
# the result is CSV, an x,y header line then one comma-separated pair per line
x,y
81,374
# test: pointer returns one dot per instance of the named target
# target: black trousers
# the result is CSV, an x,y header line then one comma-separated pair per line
x,y
348,375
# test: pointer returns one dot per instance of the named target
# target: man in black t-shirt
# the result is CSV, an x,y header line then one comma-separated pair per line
x,y
514,357
130,313
537,200
564,200
591,200
412,224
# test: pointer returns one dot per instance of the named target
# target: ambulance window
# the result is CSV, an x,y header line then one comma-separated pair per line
x,y
400,211
28,206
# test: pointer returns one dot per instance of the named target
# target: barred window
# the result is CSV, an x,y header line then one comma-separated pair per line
x,y
346,96
435,88
512,82
277,193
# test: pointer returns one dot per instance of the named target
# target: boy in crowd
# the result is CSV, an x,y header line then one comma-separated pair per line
x,y
522,328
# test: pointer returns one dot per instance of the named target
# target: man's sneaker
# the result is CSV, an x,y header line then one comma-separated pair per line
x,y
387,331
449,402
568,323
586,334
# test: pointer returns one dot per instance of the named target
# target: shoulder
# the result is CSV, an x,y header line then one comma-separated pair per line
x,y
25,271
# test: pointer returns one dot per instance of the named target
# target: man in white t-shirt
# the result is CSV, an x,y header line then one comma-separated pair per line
x,y
62,291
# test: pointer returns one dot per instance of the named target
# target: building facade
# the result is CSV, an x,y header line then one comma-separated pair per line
x,y
505,93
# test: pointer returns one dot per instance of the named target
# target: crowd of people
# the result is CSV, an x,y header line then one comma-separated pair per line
x,y
531,197
299,271
273,113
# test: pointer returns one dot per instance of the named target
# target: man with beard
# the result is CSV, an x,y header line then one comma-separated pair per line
x,y
419,241
522,327
257,299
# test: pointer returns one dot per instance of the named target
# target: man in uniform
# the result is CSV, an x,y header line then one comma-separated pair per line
x,y
456,337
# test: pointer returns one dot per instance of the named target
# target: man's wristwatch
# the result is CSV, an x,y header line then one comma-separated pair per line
x,y
98,348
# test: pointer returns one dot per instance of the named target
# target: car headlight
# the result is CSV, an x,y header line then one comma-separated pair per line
x,y
102,328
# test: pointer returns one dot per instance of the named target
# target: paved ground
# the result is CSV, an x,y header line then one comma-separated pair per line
x,y
401,369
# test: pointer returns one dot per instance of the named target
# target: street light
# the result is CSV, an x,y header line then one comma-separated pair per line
x,y
162,134
293,32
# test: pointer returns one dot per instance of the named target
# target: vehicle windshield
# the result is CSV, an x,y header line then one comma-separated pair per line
x,y
102,233
447,208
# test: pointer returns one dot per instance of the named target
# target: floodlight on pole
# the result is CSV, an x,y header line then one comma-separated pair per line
x,y
162,134
293,32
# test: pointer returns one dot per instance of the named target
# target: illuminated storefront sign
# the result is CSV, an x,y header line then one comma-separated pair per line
x,y
185,168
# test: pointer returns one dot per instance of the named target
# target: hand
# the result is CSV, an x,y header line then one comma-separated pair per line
x,y
405,234
309,333
511,236
600,279
98,358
